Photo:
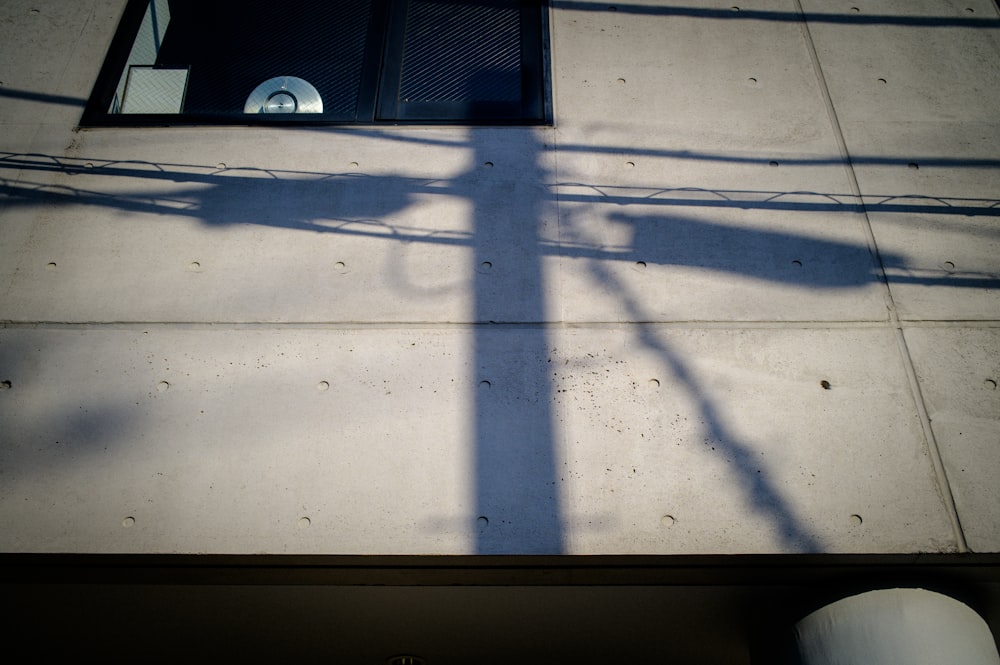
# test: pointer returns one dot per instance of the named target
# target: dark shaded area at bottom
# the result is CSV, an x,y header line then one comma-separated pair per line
x,y
482,609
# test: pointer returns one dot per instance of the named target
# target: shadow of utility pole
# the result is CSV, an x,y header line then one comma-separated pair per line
x,y
517,499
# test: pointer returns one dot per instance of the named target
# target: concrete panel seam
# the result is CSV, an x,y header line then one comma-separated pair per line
x,y
693,324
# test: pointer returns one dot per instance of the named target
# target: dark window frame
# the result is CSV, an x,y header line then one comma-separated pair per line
x,y
380,78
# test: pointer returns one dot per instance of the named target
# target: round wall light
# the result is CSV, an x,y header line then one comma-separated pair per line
x,y
284,94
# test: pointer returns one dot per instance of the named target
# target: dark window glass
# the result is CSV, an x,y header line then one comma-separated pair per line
x,y
343,61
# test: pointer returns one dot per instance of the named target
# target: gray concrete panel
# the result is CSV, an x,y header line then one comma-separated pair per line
x,y
951,270
240,441
389,231
52,52
959,369
768,435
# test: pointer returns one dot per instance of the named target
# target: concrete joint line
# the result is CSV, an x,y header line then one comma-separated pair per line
x,y
933,449
669,324
694,324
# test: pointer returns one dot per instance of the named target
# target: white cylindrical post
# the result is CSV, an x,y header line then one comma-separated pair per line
x,y
896,627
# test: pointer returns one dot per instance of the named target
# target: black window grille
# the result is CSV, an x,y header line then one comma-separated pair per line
x,y
324,62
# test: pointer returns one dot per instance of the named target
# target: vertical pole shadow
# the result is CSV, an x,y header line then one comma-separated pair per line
x,y
517,506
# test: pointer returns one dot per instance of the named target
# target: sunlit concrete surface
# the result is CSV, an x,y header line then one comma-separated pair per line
x,y
741,297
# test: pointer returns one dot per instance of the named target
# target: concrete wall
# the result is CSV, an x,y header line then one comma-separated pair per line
x,y
741,297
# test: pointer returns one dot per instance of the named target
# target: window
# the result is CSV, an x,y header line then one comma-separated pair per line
x,y
323,62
